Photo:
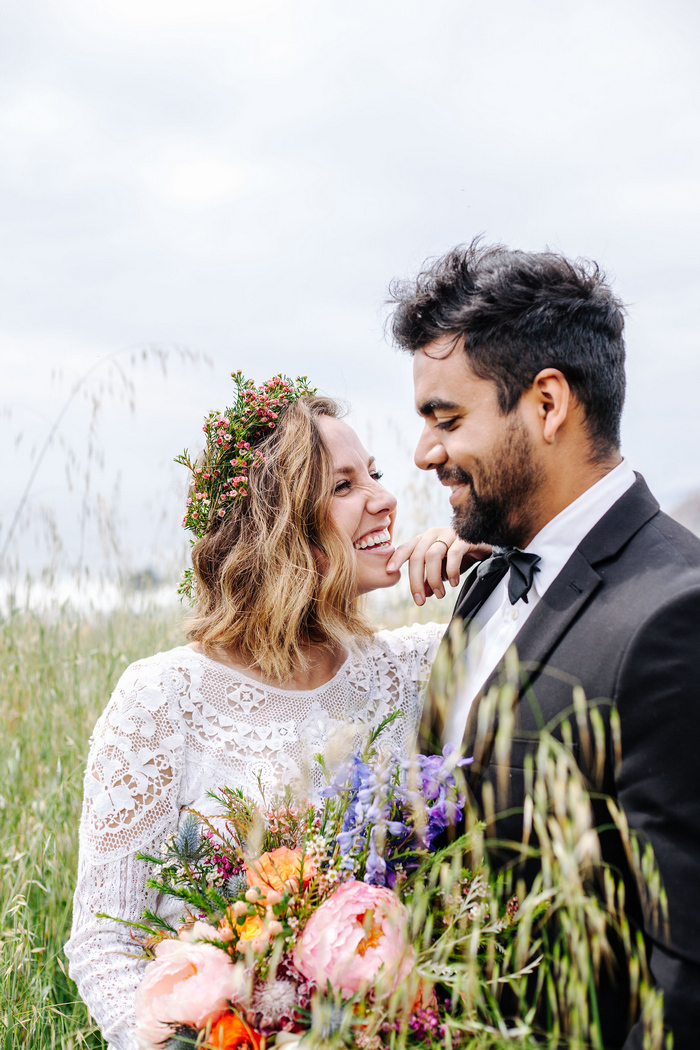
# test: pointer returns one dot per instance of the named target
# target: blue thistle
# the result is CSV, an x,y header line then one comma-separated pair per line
x,y
332,1021
185,1038
186,841
236,886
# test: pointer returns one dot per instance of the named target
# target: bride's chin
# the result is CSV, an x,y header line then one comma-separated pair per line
x,y
380,583
394,578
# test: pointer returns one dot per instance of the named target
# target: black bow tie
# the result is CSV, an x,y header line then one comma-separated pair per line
x,y
522,571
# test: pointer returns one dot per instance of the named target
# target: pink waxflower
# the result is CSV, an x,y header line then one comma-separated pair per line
x,y
357,938
187,983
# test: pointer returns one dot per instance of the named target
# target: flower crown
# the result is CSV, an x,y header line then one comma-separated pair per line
x,y
220,474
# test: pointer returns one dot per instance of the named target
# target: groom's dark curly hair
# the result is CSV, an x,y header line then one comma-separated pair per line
x,y
515,313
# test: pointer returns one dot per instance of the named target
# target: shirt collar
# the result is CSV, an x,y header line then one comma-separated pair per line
x,y
559,538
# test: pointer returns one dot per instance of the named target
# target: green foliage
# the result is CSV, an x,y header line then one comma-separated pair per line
x,y
57,674
220,473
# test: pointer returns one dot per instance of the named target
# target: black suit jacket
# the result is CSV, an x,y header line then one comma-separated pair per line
x,y
622,619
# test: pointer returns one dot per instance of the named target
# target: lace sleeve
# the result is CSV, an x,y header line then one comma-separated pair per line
x,y
416,646
130,804
403,660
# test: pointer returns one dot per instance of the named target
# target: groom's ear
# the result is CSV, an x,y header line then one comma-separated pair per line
x,y
548,403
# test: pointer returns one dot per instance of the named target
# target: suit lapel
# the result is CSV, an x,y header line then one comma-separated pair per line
x,y
443,685
560,605
549,621
444,673
473,595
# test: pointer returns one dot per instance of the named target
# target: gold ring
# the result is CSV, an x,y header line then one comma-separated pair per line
x,y
445,545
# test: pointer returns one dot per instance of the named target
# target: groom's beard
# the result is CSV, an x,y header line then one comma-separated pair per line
x,y
501,512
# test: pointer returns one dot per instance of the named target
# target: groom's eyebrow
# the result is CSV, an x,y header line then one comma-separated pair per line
x,y
437,404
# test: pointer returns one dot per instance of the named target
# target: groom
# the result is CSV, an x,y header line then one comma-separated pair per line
x,y
519,376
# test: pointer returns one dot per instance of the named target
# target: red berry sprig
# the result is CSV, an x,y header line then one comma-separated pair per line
x,y
220,475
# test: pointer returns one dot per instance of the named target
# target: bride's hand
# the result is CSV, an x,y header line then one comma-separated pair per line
x,y
434,556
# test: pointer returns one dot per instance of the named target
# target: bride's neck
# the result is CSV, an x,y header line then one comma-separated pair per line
x,y
320,665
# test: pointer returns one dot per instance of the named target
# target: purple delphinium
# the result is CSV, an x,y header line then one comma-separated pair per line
x,y
369,819
378,821
437,792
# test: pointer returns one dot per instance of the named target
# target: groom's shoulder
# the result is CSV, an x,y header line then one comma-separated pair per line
x,y
637,535
657,572
666,539
644,558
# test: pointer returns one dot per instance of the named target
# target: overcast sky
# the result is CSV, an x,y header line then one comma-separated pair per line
x,y
243,178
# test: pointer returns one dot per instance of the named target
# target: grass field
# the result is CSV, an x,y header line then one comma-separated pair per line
x,y
57,673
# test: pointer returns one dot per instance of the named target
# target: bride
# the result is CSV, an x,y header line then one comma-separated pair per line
x,y
282,664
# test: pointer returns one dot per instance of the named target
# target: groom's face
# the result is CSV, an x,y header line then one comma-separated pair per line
x,y
486,458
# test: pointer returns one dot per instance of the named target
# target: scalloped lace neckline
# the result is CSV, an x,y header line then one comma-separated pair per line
x,y
219,664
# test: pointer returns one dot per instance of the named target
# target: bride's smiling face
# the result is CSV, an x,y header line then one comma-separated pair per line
x,y
361,508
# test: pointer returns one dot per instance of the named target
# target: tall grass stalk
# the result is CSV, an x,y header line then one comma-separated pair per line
x,y
57,674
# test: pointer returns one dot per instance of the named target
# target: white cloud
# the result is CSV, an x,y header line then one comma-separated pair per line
x,y
246,177
201,181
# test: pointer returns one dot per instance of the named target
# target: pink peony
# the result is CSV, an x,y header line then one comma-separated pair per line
x,y
187,983
355,932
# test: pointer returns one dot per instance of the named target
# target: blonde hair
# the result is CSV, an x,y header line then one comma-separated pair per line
x,y
260,590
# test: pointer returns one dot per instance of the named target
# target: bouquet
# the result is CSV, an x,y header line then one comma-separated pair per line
x,y
364,920
339,923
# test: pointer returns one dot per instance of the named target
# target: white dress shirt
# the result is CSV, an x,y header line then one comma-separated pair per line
x,y
497,623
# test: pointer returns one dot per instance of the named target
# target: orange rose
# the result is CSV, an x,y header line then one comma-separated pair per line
x,y
280,870
252,927
231,1033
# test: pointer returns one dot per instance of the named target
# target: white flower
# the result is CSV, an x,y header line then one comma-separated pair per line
x,y
287,1041
275,1000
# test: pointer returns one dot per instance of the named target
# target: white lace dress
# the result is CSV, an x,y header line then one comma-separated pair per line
x,y
179,725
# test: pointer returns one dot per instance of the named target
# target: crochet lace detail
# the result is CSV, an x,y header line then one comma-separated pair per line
x,y
180,725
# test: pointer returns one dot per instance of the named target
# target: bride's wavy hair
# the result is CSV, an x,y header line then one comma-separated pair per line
x,y
276,574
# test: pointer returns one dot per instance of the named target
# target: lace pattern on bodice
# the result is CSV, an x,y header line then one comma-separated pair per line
x,y
180,725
